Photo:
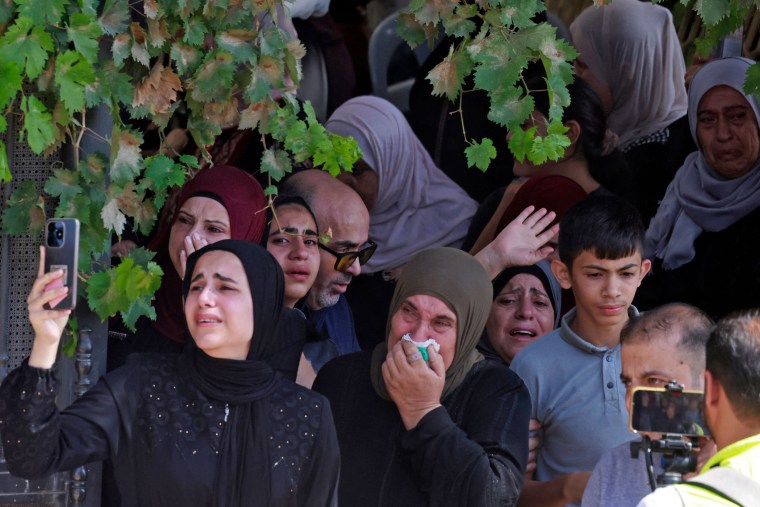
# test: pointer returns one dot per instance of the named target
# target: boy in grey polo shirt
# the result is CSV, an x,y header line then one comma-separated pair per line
x,y
573,373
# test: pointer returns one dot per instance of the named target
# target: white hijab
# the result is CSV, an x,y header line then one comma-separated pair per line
x,y
699,199
418,206
633,47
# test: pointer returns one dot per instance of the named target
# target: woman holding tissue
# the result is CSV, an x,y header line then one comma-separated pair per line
x,y
452,430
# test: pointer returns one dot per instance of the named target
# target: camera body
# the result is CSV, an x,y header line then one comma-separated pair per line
x,y
671,422
62,252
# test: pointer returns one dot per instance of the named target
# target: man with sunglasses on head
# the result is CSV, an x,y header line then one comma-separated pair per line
x,y
343,221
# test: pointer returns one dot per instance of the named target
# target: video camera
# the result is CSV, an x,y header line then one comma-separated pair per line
x,y
671,423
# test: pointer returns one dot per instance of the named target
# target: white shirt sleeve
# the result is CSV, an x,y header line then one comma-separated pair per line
x,y
662,497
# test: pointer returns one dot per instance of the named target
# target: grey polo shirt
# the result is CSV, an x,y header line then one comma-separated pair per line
x,y
577,396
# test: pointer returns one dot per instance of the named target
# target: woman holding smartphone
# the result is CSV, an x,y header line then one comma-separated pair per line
x,y
212,426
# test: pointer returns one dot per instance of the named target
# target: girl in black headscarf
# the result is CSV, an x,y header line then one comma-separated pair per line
x,y
214,426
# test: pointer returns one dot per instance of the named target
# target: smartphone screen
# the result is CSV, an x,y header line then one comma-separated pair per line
x,y
62,252
667,411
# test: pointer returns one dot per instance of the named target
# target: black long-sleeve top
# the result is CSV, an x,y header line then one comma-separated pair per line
x,y
163,435
471,451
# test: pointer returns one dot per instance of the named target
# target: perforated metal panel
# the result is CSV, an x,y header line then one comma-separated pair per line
x,y
19,254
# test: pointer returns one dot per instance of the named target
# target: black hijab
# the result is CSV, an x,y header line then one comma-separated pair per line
x,y
242,476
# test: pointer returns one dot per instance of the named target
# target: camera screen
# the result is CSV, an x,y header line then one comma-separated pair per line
x,y
666,411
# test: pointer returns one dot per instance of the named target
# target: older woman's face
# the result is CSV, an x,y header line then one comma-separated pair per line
x,y
219,306
293,242
201,216
728,132
521,313
425,317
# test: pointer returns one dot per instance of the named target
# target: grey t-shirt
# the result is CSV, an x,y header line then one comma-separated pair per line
x,y
618,479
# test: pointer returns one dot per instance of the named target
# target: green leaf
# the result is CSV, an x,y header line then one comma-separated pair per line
x,y
5,169
114,17
510,108
521,142
195,31
27,46
214,79
712,11
276,163
239,43
119,288
38,124
410,29
460,24
186,57
25,211
10,77
752,81
339,153
270,190
64,183
42,11
126,160
142,307
83,31
72,74
480,154
203,131
161,174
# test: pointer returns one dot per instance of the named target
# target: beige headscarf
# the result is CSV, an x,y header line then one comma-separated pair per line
x,y
633,48
457,279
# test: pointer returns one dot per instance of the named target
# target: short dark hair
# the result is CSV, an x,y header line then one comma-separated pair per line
x,y
607,225
733,357
689,323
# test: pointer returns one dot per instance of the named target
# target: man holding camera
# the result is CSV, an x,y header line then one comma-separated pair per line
x,y
660,346
732,412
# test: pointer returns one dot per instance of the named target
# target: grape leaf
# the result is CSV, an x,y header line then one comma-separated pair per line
x,y
276,163
112,217
752,81
158,90
480,154
126,159
712,11
38,124
521,142
256,114
10,76
84,32
72,74
25,210
121,48
410,29
239,43
214,79
140,307
64,183
448,76
158,33
186,57
42,11
114,17
5,169
270,190
161,174
139,48
195,31
27,46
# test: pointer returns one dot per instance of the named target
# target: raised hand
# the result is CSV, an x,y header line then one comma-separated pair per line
x,y
523,242
48,325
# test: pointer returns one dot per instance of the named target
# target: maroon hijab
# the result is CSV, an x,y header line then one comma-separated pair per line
x,y
244,200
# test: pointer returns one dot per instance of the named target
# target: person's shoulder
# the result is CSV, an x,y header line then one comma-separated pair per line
x,y
538,351
492,375
336,372
662,497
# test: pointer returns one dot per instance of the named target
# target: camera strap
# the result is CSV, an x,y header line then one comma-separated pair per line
x,y
730,485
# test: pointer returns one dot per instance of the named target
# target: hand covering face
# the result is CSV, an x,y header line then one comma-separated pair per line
x,y
243,198
457,279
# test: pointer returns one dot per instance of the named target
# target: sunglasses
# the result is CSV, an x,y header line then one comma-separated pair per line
x,y
344,260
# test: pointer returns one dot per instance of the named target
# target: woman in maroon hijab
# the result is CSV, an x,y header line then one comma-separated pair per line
x,y
221,202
